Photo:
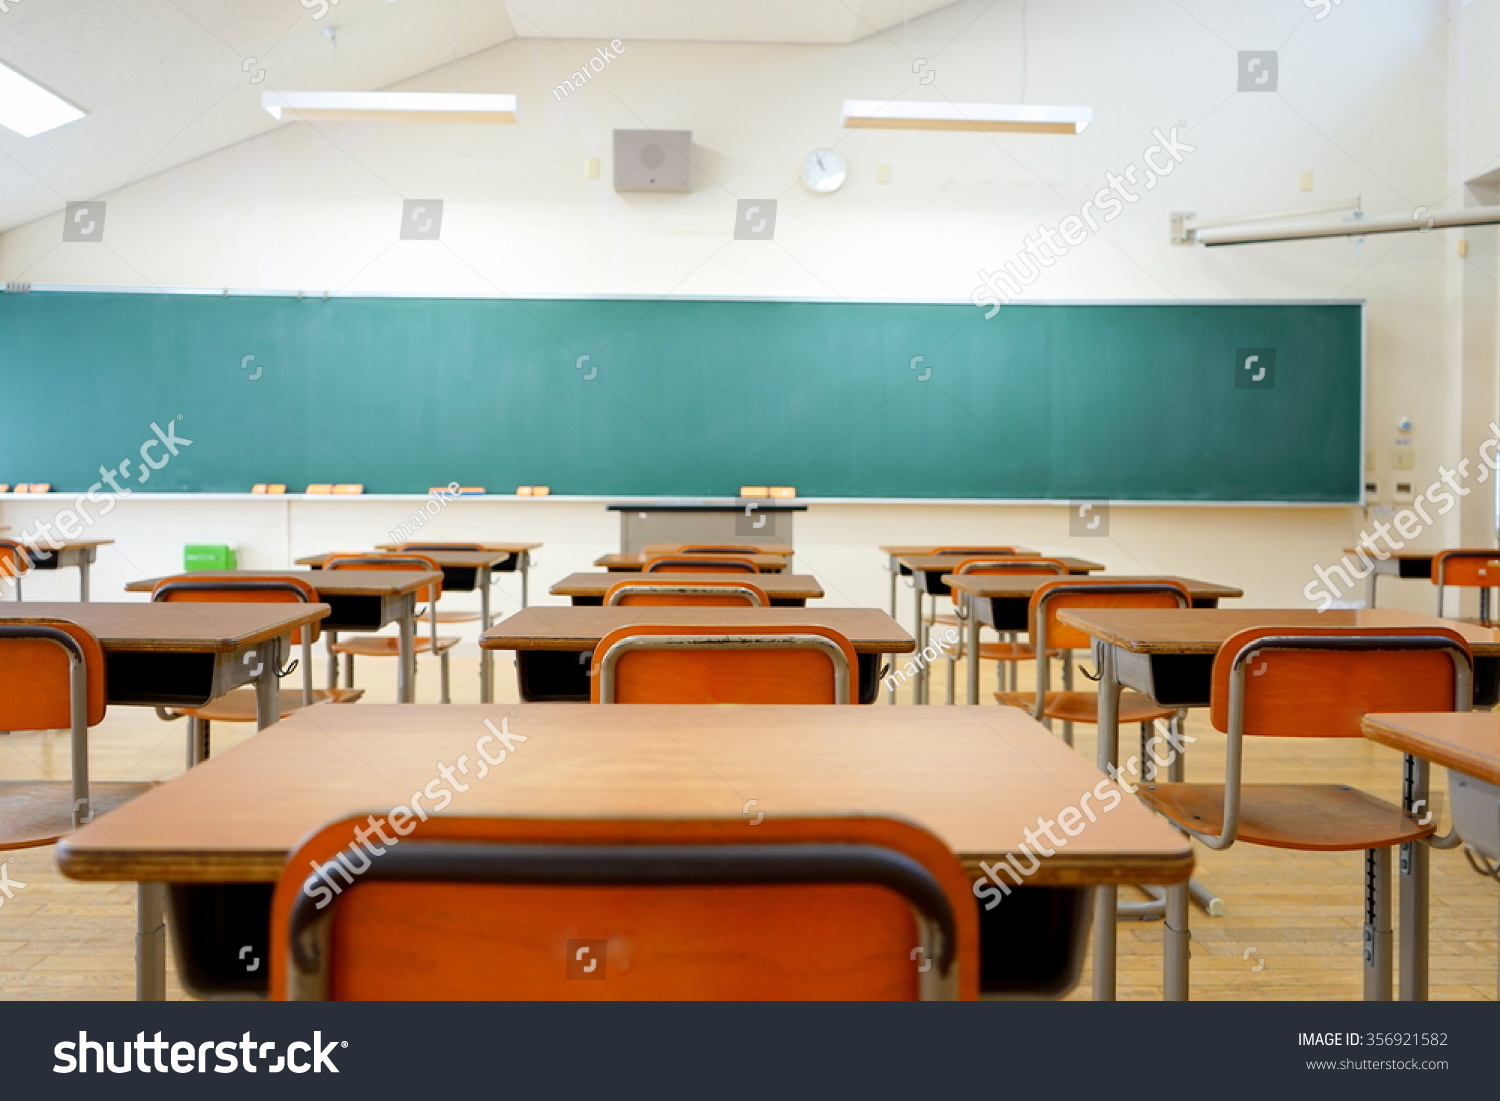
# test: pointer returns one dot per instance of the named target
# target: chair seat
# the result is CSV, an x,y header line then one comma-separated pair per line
x,y
40,812
1083,707
952,620
239,706
388,646
1310,817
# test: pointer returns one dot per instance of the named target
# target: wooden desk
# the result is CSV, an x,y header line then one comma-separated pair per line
x,y
977,777
786,590
79,553
895,552
1167,654
519,560
466,572
671,548
1003,603
174,655
553,645
929,578
632,563
358,600
1468,746
1407,562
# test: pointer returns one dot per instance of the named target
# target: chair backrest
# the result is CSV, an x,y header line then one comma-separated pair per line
x,y
52,675
598,909
1052,597
1478,569
13,559
382,560
658,663
693,563
675,594
187,588
1321,681
439,547
1022,565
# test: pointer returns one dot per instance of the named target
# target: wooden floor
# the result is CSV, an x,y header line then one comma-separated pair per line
x,y
1291,931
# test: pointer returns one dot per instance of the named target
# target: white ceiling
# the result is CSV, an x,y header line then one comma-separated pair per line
x,y
166,81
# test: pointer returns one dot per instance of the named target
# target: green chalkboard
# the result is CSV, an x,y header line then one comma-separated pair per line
x,y
688,397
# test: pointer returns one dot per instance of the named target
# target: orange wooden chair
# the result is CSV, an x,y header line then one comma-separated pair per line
x,y
696,563
1312,683
1471,569
52,678
421,548
238,706
389,646
1008,652
14,562
643,592
656,663
859,908
1049,635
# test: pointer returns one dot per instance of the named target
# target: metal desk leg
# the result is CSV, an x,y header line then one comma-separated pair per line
x,y
895,572
919,690
1106,897
330,637
525,575
486,657
150,943
268,687
1175,951
1377,932
83,581
972,643
1414,901
1370,586
406,667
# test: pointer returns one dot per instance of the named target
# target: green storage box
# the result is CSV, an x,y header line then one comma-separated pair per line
x,y
209,556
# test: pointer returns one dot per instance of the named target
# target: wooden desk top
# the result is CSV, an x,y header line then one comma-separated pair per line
x,y
942,563
778,586
671,548
976,776
65,545
508,548
1404,553
1467,742
327,582
635,560
1204,630
924,550
455,559
174,628
871,630
999,585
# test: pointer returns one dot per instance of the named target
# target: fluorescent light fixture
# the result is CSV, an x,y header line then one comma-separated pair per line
x,y
28,108
1359,227
391,106
1011,118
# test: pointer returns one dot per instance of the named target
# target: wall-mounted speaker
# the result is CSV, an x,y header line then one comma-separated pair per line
x,y
653,160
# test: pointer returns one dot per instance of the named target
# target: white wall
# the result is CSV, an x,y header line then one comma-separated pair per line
x,y
1364,103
